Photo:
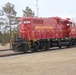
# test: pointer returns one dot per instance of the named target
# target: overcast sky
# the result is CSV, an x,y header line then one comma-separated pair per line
x,y
47,8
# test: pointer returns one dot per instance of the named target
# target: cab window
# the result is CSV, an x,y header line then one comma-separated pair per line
x,y
26,22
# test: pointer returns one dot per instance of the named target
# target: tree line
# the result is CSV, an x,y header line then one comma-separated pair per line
x,y
9,22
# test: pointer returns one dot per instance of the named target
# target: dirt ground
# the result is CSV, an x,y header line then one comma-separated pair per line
x,y
53,62
7,46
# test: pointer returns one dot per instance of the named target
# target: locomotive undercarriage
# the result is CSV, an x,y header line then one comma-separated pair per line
x,y
21,45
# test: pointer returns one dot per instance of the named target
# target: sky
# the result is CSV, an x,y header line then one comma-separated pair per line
x,y
47,8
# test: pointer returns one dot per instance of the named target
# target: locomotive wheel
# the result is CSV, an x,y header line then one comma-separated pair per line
x,y
35,47
16,48
25,47
46,46
67,46
59,47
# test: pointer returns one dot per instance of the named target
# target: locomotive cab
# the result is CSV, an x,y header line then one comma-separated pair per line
x,y
25,28
73,30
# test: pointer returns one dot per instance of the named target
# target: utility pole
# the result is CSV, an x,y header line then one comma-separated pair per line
x,y
37,8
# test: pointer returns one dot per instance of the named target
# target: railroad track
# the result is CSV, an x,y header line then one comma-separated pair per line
x,y
4,50
8,52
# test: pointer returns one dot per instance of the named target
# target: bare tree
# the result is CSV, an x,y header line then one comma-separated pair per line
x,y
10,13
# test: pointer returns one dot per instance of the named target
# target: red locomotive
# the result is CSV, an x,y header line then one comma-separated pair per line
x,y
43,33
